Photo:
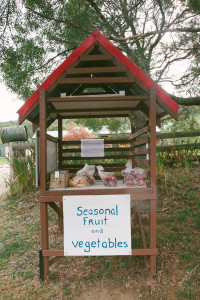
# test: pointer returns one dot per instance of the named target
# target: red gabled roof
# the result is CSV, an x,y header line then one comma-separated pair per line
x,y
97,36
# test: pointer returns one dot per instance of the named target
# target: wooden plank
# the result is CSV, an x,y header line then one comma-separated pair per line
x,y
142,162
140,152
43,142
93,116
96,70
44,234
56,208
125,149
139,132
105,165
152,134
95,80
135,252
174,135
88,110
110,141
136,193
105,157
60,142
54,260
152,213
141,142
88,98
178,147
167,109
97,57
52,138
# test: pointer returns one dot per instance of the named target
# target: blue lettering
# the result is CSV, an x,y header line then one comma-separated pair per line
x,y
125,245
93,244
81,244
84,220
104,245
75,245
116,210
87,245
111,244
119,244
95,211
79,209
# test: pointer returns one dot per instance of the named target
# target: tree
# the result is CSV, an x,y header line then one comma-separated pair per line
x,y
160,36
77,132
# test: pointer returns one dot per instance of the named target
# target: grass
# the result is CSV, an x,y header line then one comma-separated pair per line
x,y
3,160
178,263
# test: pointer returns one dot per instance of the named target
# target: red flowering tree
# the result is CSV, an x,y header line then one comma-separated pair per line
x,y
77,132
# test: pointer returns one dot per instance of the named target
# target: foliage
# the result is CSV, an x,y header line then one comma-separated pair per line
x,y
37,35
76,132
113,125
24,173
189,119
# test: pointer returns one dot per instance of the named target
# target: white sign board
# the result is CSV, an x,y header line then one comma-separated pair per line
x,y
97,225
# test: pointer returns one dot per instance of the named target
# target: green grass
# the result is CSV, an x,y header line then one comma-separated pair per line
x,y
3,160
178,263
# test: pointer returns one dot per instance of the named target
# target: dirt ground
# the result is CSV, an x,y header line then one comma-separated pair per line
x,y
4,176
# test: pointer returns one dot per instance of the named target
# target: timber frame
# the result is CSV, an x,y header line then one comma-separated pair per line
x,y
93,78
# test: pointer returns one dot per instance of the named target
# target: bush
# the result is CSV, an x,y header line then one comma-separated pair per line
x,y
24,173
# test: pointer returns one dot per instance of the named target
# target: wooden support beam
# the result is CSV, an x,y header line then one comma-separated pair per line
x,y
96,70
60,142
95,80
43,141
139,252
93,116
56,208
44,235
97,57
96,98
141,142
139,132
152,211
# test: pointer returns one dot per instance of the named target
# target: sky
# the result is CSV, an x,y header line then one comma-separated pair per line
x,y
9,104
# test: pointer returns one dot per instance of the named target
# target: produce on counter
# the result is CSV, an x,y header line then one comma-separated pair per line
x,y
133,176
108,178
90,179
78,181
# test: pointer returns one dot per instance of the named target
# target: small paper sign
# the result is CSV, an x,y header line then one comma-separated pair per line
x,y
92,148
97,225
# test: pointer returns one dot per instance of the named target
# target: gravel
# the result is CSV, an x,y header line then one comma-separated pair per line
x,y
4,176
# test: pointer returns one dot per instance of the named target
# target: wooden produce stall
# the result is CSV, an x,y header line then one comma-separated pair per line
x,y
97,81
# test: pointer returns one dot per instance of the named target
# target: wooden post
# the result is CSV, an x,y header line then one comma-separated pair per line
x,y
60,164
44,235
43,179
43,142
152,213
59,143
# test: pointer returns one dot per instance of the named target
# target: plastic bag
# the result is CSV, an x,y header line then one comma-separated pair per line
x,y
133,176
108,178
87,173
90,169
78,181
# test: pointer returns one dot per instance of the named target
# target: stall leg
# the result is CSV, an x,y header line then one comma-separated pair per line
x,y
41,265
61,219
153,235
44,235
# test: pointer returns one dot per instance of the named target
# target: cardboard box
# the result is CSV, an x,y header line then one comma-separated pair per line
x,y
59,179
